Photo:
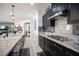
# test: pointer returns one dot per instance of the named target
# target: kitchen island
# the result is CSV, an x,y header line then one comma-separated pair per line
x,y
8,43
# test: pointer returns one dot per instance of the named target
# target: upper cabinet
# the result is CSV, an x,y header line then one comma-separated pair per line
x,y
59,9
46,21
70,10
73,17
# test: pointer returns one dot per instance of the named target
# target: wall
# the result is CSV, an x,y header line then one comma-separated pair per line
x,y
34,21
5,10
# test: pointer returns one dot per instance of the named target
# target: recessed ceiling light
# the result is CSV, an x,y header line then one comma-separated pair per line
x,y
32,4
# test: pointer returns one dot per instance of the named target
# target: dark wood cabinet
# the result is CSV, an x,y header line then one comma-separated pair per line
x,y
69,52
55,48
46,22
71,10
59,50
73,17
44,44
41,41
52,48
57,7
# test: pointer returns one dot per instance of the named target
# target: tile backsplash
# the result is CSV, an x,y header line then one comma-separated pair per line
x,y
63,29
50,29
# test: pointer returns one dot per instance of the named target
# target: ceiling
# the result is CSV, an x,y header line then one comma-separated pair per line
x,y
22,11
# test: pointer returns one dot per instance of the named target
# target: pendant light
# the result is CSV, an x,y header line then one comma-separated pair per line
x,y
13,16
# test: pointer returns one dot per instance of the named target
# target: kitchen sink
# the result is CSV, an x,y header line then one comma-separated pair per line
x,y
59,38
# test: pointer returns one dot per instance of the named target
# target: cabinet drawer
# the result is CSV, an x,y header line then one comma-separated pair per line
x,y
59,51
40,39
49,52
70,52
50,45
52,48
55,48
44,43
67,53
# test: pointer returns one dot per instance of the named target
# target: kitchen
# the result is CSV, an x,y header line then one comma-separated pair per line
x,y
59,34
39,29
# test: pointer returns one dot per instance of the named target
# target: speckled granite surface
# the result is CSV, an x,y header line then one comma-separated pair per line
x,y
6,44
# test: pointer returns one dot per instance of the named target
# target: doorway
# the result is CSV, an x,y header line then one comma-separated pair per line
x,y
27,29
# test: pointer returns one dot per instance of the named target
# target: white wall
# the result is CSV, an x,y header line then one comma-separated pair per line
x,y
5,10
40,20
34,33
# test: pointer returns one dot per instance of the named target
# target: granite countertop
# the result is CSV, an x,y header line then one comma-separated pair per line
x,y
69,44
6,44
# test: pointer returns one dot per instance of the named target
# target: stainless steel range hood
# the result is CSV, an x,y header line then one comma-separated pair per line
x,y
60,15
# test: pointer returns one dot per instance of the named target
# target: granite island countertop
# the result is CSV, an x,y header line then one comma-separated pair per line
x,y
69,44
6,44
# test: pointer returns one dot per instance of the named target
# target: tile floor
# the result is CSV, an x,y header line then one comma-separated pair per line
x,y
31,48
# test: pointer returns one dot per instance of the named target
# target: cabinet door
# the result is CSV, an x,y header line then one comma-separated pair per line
x,y
44,43
48,52
59,50
74,13
57,7
66,53
44,21
54,8
69,52
49,12
41,41
54,48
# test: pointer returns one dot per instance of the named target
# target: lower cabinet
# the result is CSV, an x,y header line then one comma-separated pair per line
x,y
52,48
44,44
55,48
40,41
48,52
69,52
